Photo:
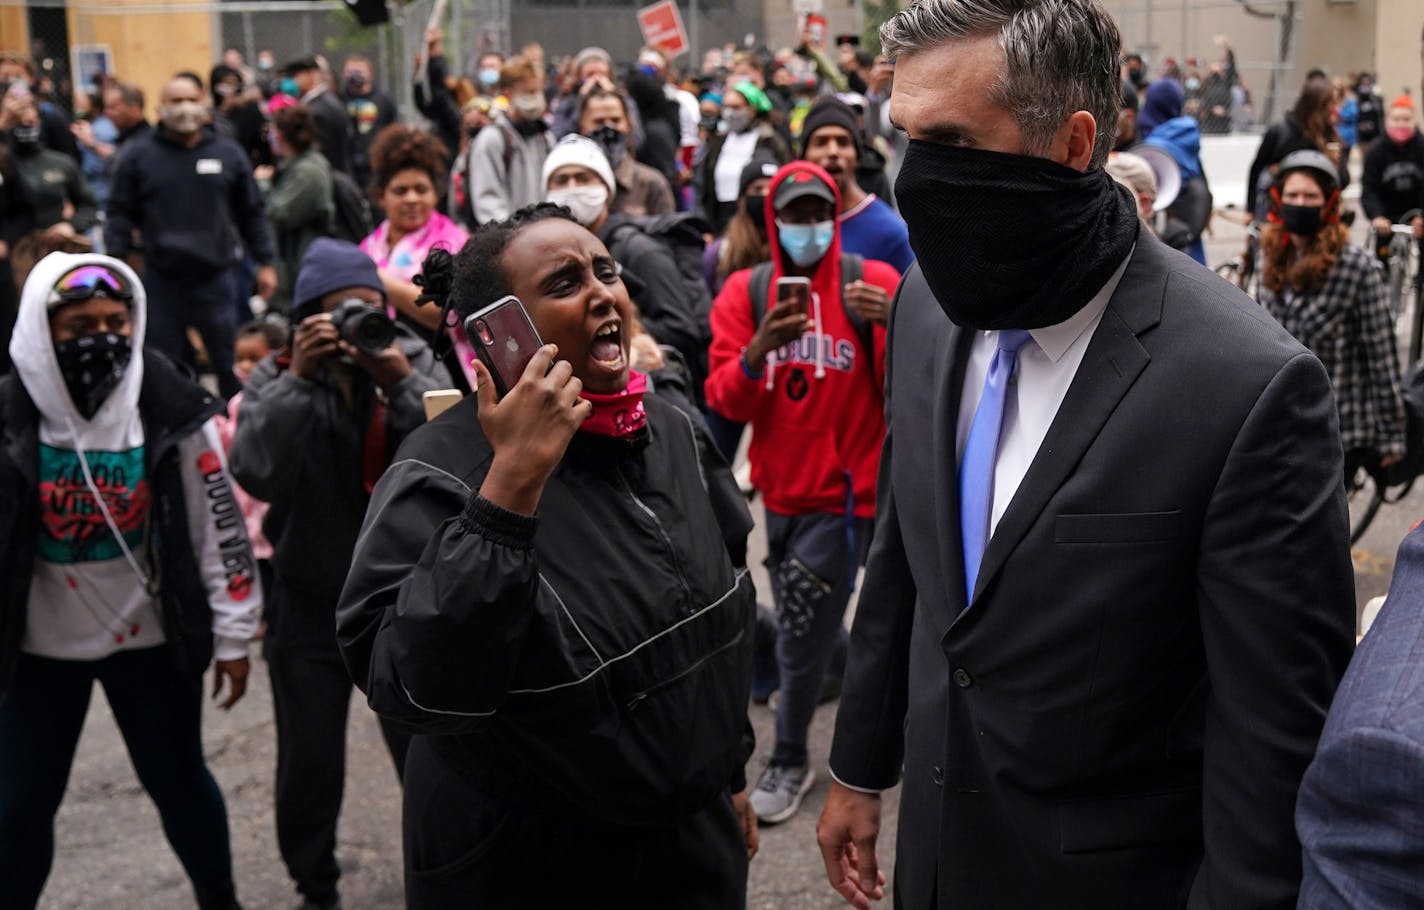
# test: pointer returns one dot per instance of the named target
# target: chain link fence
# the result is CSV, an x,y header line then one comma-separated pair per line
x,y
145,42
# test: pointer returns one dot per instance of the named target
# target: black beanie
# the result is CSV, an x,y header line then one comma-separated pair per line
x,y
763,164
831,111
331,265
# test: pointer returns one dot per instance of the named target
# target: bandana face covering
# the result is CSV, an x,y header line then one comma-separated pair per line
x,y
613,143
1008,241
621,414
92,366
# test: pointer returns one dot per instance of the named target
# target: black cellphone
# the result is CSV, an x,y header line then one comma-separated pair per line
x,y
504,339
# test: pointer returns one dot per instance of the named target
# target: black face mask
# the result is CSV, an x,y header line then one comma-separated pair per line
x,y
613,143
1302,220
1011,242
26,139
473,131
527,128
92,366
756,211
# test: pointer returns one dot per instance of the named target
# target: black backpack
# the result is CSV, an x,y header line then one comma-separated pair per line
x,y
852,269
351,216
682,234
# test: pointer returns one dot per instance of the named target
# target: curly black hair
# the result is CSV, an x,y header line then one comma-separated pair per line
x,y
479,277
399,148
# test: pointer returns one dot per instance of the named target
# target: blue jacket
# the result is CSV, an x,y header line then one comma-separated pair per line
x,y
1181,137
1360,814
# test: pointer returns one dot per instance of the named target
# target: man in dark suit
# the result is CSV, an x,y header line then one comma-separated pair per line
x,y
1361,809
1110,594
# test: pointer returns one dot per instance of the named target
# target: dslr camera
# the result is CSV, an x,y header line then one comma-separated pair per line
x,y
363,326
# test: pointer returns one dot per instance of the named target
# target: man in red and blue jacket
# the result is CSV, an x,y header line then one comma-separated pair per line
x,y
807,374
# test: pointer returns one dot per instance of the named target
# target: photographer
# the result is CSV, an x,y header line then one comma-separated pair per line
x,y
318,423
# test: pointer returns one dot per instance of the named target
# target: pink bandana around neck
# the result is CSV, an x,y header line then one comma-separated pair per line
x,y
621,414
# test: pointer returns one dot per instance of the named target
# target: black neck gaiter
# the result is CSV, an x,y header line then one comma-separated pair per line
x,y
1011,242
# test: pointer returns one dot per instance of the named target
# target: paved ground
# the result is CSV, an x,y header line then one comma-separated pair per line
x,y
112,854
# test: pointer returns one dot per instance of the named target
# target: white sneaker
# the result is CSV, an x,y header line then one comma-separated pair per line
x,y
779,792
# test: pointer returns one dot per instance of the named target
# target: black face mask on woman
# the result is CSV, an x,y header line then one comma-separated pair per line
x,y
1008,241
1302,220
92,366
756,211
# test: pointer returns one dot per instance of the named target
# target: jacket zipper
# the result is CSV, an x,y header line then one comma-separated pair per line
x,y
642,696
667,541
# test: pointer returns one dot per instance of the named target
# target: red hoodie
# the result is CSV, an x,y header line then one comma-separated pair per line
x,y
820,425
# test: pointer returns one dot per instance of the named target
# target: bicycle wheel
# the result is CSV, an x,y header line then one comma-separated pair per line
x,y
1231,271
1398,269
1364,496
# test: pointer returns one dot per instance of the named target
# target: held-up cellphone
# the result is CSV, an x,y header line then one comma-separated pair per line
x,y
797,291
504,340
438,401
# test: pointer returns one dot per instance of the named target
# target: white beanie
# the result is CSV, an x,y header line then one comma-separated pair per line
x,y
582,151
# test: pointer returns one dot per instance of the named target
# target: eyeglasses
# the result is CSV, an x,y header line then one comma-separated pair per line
x,y
90,281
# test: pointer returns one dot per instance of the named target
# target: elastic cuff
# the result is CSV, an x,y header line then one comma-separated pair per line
x,y
225,648
497,524
866,790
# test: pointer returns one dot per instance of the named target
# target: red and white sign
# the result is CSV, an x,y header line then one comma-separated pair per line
x,y
662,28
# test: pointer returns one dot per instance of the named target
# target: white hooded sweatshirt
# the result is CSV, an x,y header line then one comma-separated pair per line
x,y
92,590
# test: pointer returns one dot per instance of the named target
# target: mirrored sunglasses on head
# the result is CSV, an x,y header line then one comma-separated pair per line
x,y
90,281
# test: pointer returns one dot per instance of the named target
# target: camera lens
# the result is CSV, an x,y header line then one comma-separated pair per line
x,y
481,329
363,327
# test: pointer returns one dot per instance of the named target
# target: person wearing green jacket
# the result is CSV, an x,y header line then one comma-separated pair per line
x,y
300,204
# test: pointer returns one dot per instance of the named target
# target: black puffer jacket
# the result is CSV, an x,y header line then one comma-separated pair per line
x,y
595,659
172,407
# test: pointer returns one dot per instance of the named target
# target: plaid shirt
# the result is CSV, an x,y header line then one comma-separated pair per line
x,y
1347,323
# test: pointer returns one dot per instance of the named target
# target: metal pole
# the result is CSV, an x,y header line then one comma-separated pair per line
x,y
694,29
248,40
1182,55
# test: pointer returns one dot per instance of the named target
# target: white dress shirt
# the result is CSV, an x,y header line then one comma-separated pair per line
x,y
1046,367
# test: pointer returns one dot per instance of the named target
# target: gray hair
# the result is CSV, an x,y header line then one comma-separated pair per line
x,y
1061,56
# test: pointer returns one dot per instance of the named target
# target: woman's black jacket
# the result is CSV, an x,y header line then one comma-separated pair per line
x,y
594,659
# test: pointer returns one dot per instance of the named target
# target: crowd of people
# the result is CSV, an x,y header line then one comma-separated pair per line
x,y
973,363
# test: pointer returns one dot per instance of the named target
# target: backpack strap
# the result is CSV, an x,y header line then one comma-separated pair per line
x,y
759,290
852,270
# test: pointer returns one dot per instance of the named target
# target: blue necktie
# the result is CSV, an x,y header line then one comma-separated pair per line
x,y
981,450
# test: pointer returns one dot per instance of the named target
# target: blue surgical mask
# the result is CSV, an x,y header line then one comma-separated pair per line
x,y
806,244
489,77
288,86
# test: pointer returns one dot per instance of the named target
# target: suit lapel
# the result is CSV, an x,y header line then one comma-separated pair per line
x,y
950,364
1112,363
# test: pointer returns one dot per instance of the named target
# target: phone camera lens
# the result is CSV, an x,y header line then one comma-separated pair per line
x,y
481,329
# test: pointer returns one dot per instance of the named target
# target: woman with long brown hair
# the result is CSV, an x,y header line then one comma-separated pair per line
x,y
744,243
1331,297
1309,125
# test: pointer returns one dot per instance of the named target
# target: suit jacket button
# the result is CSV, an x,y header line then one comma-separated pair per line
x,y
962,679
937,775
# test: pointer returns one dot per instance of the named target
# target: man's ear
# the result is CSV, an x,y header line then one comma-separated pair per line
x,y
1073,146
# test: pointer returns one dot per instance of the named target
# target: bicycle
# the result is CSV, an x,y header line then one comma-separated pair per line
x,y
1242,270
1402,276
1364,496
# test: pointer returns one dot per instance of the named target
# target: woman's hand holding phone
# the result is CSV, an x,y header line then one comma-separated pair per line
x,y
529,429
